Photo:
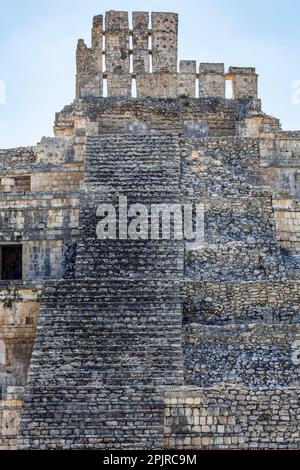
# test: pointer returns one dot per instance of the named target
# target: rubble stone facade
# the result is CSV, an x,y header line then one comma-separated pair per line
x,y
134,344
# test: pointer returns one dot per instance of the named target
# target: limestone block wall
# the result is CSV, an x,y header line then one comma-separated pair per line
x,y
140,41
43,259
119,80
89,79
119,85
282,177
157,85
165,42
212,80
15,184
254,355
36,216
279,168
220,417
186,78
236,260
240,238
228,416
10,417
68,179
280,171
225,167
116,42
244,82
287,219
280,163
19,309
163,81
252,122
17,157
115,115
39,203
44,225
55,151
215,302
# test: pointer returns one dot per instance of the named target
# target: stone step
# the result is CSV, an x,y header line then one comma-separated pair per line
x,y
95,417
127,160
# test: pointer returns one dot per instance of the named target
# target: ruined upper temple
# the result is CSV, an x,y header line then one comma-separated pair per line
x,y
137,343
143,61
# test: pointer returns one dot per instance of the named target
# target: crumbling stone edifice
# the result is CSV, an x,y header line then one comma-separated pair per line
x,y
143,344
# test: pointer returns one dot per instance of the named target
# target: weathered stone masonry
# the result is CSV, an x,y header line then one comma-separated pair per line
x,y
133,344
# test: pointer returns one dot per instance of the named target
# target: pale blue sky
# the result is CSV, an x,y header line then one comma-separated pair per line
x,y
38,40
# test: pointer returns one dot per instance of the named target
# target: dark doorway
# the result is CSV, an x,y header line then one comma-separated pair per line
x,y
11,262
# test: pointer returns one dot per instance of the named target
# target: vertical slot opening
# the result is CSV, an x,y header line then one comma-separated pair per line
x,y
150,63
131,60
130,20
103,63
2,355
150,20
228,90
133,89
105,91
197,84
103,55
150,44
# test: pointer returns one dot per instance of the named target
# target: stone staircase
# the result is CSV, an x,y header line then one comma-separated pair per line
x,y
110,340
92,418
146,170
109,333
135,162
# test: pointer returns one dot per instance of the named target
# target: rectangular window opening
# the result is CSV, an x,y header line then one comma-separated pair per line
x,y
11,262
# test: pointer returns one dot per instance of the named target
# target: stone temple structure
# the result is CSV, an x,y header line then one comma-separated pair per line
x,y
143,344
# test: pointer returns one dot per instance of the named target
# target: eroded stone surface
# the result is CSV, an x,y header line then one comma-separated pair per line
x,y
144,344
